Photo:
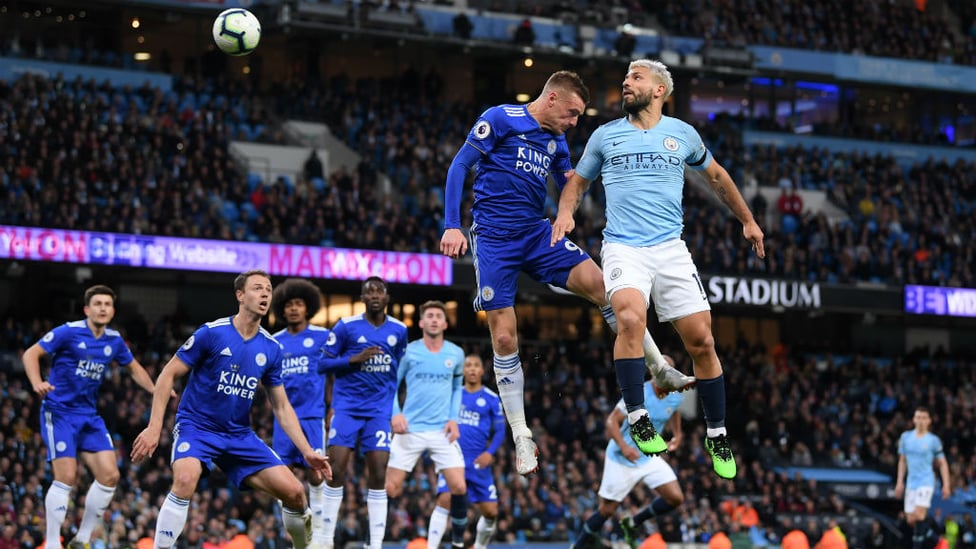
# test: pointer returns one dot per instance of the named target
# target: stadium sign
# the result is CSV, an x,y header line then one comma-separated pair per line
x,y
940,301
760,292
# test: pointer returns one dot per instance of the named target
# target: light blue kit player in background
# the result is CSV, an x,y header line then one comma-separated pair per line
x,y
227,360
482,426
516,149
918,450
81,353
364,352
294,302
432,371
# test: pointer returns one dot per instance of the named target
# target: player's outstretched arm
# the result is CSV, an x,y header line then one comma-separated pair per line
x,y
283,411
726,190
569,201
944,473
677,434
147,441
453,242
32,367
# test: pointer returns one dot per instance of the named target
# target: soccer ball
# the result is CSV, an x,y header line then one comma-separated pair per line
x,y
237,31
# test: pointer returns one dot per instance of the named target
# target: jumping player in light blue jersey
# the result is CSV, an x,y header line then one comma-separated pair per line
x,y
364,353
624,467
227,360
432,370
516,149
642,158
294,302
81,354
918,450
482,426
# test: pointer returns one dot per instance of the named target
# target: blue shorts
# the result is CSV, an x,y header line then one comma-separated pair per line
x,y
499,260
239,454
481,484
372,433
314,430
66,433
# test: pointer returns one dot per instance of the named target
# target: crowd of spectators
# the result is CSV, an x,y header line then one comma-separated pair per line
x,y
787,407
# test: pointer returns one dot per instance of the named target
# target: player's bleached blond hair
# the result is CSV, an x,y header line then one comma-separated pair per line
x,y
658,69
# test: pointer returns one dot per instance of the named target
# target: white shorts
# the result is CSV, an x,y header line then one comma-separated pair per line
x,y
619,479
663,273
407,448
918,497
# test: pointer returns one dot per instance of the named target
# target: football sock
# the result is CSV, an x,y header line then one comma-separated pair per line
x,y
484,532
436,527
316,503
330,512
657,508
711,392
511,390
651,350
630,377
459,518
591,527
96,501
55,509
170,522
376,509
298,524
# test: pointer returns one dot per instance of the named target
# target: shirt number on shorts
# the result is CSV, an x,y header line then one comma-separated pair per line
x,y
382,439
571,246
492,492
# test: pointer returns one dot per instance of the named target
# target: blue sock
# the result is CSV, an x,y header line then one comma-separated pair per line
x,y
630,377
459,518
591,527
657,508
711,392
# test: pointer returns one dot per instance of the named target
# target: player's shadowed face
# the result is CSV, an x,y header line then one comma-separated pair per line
x,y
255,298
100,310
295,311
433,322
638,90
375,297
474,370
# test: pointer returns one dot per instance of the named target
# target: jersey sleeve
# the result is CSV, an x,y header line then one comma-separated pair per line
x,y
901,445
319,358
938,452
123,355
54,340
272,374
196,349
335,344
591,162
488,130
700,157
561,163
401,346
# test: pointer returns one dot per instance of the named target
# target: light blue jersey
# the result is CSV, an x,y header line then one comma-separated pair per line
x,y
434,386
366,389
79,363
643,176
225,371
517,156
301,370
919,452
660,411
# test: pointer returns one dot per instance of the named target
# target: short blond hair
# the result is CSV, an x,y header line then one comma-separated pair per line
x,y
658,69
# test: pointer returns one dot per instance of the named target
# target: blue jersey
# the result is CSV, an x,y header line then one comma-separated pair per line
x,y
434,386
511,182
301,370
643,177
366,389
79,362
482,424
659,410
225,370
919,452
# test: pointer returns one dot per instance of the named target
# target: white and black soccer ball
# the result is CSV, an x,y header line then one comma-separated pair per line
x,y
236,31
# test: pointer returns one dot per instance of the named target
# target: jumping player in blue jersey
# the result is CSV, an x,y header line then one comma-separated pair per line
x,y
227,360
81,353
364,352
918,449
433,371
294,302
624,467
642,159
482,426
516,149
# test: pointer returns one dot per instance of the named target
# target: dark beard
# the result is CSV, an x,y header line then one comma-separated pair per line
x,y
636,106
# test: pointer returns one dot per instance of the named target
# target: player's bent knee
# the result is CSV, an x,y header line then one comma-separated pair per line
x,y
608,508
393,489
293,496
674,499
108,478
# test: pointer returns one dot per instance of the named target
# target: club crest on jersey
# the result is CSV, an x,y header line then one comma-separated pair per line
x,y
391,340
670,144
615,273
481,401
183,447
107,350
48,337
482,129
551,147
61,446
308,342
448,363
260,359
487,293
188,344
